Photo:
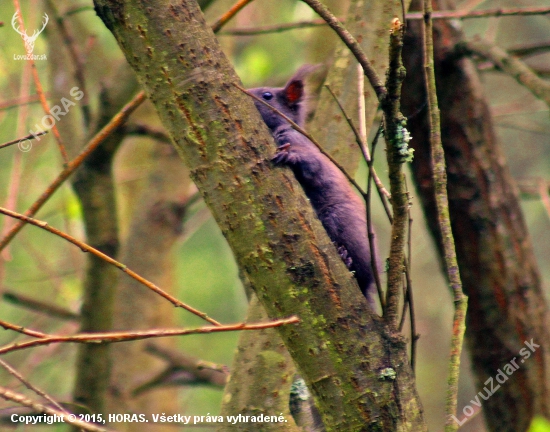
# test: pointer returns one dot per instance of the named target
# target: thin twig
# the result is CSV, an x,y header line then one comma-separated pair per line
x,y
48,309
21,399
512,66
442,204
308,136
127,336
439,15
370,229
361,108
30,386
276,28
371,234
17,141
23,330
409,295
410,302
414,336
532,49
14,103
382,191
500,12
224,19
78,62
183,369
13,187
101,136
139,129
87,248
352,44
39,90
366,196
407,274
404,309
178,359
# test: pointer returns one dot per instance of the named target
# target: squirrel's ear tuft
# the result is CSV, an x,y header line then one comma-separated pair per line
x,y
294,91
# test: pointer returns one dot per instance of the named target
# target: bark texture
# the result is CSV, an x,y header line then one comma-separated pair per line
x,y
357,371
506,305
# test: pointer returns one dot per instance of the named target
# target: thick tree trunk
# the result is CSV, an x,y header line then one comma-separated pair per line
x,y
357,371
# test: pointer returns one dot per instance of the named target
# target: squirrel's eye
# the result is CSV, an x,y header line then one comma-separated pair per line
x,y
267,96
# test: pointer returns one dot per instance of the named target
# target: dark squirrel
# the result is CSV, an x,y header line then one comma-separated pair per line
x,y
339,209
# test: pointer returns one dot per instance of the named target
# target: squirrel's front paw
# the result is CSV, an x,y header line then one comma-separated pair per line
x,y
282,155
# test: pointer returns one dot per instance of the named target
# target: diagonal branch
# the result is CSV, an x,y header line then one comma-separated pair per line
x,y
39,89
510,65
224,19
101,136
12,371
21,399
86,248
78,62
19,141
352,44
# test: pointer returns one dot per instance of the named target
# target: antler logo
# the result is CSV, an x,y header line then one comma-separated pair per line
x,y
29,40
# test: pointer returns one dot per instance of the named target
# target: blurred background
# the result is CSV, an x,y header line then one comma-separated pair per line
x,y
202,271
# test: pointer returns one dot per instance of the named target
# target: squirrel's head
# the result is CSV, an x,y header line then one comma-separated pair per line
x,y
290,99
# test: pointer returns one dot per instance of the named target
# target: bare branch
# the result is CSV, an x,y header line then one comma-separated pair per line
x,y
38,306
352,44
224,19
30,386
23,400
113,337
25,138
513,66
101,136
87,248
500,12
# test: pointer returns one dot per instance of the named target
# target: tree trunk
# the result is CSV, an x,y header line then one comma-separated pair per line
x,y
155,225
